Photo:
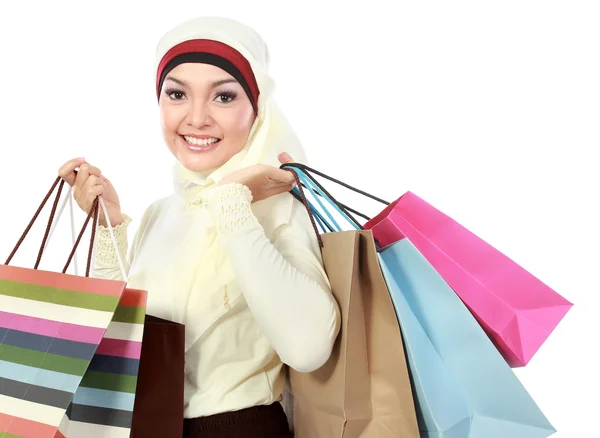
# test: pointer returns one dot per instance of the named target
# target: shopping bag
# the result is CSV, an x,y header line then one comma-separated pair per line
x,y
158,408
363,390
89,371
111,402
103,403
463,386
135,344
50,327
515,308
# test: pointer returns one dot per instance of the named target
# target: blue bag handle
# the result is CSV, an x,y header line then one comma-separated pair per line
x,y
348,212
323,224
320,194
308,185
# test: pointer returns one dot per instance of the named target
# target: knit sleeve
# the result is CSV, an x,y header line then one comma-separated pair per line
x,y
231,207
106,264
282,279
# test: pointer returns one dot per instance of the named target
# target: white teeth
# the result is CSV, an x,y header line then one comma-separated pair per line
x,y
200,141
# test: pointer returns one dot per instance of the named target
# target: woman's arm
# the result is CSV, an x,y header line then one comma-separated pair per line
x,y
283,281
106,264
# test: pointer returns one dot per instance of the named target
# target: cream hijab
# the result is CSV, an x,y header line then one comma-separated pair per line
x,y
208,279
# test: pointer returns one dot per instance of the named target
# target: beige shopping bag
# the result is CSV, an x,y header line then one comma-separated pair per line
x,y
364,390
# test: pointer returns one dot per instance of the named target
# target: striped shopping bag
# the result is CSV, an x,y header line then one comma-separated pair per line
x,y
103,402
51,328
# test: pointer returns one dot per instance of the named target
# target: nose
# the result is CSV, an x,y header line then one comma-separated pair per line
x,y
199,114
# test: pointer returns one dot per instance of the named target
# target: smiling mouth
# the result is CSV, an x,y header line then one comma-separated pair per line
x,y
199,144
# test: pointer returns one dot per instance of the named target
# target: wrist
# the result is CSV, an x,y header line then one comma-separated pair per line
x,y
114,221
231,192
230,206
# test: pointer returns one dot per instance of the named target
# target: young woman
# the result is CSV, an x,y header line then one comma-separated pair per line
x,y
230,254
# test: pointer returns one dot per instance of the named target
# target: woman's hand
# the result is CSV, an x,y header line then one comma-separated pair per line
x,y
264,181
89,183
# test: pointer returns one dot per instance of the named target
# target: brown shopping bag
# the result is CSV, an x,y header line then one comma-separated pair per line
x,y
158,409
363,391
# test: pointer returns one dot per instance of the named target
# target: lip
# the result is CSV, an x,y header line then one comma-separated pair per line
x,y
195,148
200,137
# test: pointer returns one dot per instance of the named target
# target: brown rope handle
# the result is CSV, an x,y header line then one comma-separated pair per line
x,y
49,225
304,201
93,211
35,216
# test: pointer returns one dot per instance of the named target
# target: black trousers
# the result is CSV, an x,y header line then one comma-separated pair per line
x,y
257,422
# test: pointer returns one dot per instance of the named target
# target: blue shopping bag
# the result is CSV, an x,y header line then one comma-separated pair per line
x,y
463,388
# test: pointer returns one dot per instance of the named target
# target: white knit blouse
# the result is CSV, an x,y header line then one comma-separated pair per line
x,y
286,313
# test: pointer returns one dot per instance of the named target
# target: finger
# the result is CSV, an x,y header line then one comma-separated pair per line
x,y
66,171
292,177
276,190
105,180
84,186
92,187
95,192
81,180
90,170
85,171
281,175
283,184
285,158
92,181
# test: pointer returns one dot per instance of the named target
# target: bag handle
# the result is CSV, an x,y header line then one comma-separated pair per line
x,y
323,224
68,200
94,211
305,180
35,216
73,231
344,206
302,198
321,195
308,170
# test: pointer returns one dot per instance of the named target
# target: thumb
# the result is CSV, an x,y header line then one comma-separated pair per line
x,y
285,158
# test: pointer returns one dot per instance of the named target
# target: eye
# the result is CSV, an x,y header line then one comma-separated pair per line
x,y
226,97
174,94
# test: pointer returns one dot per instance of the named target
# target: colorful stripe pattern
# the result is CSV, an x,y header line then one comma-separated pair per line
x,y
103,402
50,327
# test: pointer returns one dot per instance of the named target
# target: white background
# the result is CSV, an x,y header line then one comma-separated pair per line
x,y
488,111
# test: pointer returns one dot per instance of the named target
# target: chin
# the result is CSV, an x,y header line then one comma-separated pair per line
x,y
197,165
199,162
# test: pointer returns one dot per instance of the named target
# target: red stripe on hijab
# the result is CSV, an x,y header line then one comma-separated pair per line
x,y
216,48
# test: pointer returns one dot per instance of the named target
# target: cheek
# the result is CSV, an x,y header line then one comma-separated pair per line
x,y
169,119
242,121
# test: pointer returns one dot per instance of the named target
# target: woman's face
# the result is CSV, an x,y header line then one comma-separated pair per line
x,y
206,116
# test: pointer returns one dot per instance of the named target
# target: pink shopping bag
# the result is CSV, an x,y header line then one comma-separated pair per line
x,y
516,309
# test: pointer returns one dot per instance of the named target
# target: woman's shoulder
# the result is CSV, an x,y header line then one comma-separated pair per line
x,y
155,208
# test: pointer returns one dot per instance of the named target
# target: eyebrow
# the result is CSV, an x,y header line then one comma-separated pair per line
x,y
213,85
